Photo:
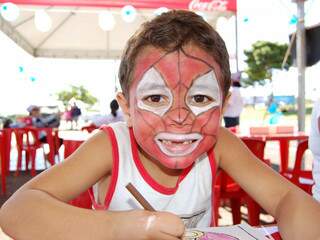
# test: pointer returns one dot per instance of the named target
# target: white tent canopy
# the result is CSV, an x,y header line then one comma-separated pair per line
x,y
75,32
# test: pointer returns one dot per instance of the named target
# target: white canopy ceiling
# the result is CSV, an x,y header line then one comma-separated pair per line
x,y
75,32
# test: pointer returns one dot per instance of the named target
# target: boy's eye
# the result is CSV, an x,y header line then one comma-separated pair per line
x,y
156,100
200,100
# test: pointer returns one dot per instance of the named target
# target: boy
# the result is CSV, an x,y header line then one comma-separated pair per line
x,y
175,79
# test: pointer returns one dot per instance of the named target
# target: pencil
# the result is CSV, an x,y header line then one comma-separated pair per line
x,y
137,195
144,203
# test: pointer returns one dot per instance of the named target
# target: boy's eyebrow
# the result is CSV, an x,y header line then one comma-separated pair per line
x,y
153,85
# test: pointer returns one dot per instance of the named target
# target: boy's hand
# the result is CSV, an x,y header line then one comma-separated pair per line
x,y
140,224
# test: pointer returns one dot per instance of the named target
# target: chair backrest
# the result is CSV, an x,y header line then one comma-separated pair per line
x,y
2,148
300,177
256,146
301,149
298,170
6,143
26,137
89,128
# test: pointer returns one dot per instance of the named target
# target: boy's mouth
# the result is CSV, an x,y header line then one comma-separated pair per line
x,y
177,145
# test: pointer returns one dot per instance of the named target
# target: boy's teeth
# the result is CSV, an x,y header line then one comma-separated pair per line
x,y
170,142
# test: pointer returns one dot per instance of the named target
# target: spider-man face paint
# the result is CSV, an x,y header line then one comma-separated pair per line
x,y
175,105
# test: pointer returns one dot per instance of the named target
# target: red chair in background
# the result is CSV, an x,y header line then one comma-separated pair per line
x,y
298,176
5,149
89,128
28,141
231,191
2,159
83,200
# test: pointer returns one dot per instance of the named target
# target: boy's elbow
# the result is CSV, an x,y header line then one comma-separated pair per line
x,y
7,214
11,212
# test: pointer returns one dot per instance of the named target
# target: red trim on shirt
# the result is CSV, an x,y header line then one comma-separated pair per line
x,y
213,166
114,173
146,176
115,167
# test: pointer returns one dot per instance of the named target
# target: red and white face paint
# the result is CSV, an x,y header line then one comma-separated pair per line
x,y
175,105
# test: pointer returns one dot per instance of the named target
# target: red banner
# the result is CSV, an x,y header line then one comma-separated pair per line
x,y
194,5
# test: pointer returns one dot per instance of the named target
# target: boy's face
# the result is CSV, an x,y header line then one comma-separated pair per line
x,y
175,104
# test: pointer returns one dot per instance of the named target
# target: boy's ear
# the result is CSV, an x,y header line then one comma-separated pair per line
x,y
124,105
225,104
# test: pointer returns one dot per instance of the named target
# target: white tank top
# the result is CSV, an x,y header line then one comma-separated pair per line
x,y
314,143
191,198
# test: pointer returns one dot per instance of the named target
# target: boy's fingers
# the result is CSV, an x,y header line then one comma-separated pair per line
x,y
170,225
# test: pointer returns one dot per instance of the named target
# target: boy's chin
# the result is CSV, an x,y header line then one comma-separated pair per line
x,y
177,163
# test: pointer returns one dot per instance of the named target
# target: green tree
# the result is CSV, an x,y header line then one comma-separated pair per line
x,y
261,59
78,93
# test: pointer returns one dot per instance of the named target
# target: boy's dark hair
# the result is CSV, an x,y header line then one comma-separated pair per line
x,y
170,31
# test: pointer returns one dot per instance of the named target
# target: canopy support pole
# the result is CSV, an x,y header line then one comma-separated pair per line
x,y
301,63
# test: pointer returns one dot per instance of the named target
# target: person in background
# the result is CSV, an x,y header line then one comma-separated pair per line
x,y
115,115
75,114
314,145
234,105
40,121
67,116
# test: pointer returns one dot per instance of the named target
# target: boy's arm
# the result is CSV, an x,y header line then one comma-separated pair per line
x,y
39,210
297,214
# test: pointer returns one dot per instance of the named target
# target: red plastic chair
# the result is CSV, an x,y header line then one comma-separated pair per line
x,y
83,200
3,162
231,191
5,149
28,141
295,174
89,128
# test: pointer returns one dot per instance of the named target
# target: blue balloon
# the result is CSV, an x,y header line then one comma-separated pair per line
x,y
293,20
21,69
33,79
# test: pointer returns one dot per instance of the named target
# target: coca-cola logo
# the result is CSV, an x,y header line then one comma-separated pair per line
x,y
213,5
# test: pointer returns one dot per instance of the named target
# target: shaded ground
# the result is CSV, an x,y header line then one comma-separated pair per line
x,y
13,183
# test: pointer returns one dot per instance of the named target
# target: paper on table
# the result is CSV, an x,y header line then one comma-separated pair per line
x,y
235,232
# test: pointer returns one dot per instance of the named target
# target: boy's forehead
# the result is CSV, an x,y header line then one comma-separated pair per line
x,y
178,66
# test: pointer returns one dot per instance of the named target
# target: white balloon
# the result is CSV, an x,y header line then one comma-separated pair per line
x,y
128,13
42,21
9,11
106,21
160,10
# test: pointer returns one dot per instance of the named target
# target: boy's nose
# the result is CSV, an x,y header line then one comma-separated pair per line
x,y
180,116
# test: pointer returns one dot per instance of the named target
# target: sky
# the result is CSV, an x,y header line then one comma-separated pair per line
x,y
40,79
